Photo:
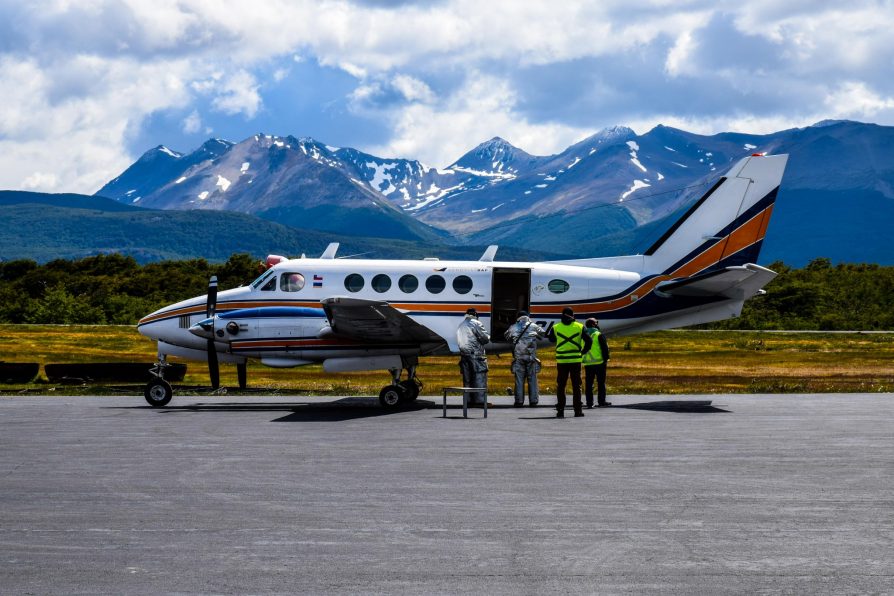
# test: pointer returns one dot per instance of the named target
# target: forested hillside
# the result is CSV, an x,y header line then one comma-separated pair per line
x,y
115,289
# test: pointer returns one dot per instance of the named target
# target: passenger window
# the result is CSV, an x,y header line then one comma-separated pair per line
x,y
435,284
381,283
270,285
462,284
408,283
291,282
558,286
354,282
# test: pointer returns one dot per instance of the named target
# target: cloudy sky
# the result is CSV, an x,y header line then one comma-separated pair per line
x,y
86,86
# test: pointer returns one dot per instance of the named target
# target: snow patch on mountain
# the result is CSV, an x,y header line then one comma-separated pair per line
x,y
637,184
222,183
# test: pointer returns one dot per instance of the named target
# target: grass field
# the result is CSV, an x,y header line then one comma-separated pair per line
x,y
667,362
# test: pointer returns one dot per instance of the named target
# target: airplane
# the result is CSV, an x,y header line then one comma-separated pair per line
x,y
373,314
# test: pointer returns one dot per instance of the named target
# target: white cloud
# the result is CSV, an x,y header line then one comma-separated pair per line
x,y
855,100
413,89
80,78
57,137
238,94
484,106
192,123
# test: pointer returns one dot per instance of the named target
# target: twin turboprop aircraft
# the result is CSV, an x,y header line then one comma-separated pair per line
x,y
363,314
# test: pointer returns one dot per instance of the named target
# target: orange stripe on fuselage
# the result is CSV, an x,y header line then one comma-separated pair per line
x,y
745,235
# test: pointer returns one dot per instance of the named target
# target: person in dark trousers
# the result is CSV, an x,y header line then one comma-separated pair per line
x,y
571,344
595,361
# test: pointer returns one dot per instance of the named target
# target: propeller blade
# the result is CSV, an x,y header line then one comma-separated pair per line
x,y
212,297
242,374
213,367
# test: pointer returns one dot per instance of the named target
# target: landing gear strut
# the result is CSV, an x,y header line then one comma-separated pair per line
x,y
158,391
399,392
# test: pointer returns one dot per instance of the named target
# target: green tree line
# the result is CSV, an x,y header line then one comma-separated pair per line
x,y
108,289
115,289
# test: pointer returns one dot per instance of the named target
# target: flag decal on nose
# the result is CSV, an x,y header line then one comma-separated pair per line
x,y
318,281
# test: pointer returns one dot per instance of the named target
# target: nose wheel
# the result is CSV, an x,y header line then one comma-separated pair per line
x,y
158,392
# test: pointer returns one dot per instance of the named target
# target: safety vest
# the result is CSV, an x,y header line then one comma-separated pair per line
x,y
594,356
569,342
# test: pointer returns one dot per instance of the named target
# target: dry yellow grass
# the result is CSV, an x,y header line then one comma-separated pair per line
x,y
661,362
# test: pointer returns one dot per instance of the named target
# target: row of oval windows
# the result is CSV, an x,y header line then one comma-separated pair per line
x,y
462,284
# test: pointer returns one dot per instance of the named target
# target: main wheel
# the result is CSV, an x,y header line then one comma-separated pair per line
x,y
411,389
158,393
391,396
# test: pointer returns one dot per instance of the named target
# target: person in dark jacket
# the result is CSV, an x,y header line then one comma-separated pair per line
x,y
571,344
595,362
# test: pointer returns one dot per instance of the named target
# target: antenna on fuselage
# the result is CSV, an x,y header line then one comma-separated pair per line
x,y
489,254
330,251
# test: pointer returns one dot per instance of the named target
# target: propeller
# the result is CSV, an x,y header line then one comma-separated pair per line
x,y
213,367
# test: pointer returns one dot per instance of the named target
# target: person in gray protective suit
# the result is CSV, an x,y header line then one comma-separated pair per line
x,y
525,365
471,337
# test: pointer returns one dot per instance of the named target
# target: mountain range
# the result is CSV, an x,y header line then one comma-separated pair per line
x,y
611,193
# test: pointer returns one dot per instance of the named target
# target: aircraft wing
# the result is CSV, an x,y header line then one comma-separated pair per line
x,y
375,321
729,282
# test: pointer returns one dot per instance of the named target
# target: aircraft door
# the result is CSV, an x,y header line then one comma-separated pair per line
x,y
510,293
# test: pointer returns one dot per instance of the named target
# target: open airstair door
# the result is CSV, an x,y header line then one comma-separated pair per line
x,y
510,293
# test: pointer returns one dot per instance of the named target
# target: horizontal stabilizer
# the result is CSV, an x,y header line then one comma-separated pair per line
x,y
375,321
731,282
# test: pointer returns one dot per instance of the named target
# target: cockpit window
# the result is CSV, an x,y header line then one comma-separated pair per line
x,y
263,277
270,285
291,282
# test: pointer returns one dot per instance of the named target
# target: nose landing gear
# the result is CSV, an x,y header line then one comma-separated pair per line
x,y
158,392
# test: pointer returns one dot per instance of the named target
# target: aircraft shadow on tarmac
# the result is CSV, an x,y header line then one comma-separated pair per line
x,y
349,408
674,406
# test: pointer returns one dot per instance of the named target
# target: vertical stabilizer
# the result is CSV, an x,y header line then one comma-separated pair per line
x,y
726,226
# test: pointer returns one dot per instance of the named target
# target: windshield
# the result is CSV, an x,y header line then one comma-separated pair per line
x,y
264,276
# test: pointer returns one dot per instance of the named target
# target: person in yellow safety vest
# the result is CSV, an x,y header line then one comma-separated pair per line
x,y
595,361
571,343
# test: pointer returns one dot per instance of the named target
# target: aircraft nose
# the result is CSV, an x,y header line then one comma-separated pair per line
x,y
204,328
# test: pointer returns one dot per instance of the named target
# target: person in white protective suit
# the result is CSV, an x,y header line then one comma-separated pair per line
x,y
524,334
471,337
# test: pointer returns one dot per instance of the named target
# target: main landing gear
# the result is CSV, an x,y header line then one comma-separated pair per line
x,y
400,393
158,391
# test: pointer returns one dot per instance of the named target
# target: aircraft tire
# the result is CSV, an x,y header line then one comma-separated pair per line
x,y
411,390
158,393
392,396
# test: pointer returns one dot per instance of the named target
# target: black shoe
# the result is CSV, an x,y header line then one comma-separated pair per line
x,y
604,404
560,414
517,405
578,414
589,406
533,405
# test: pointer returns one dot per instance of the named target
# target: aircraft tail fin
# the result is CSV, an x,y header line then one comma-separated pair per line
x,y
726,226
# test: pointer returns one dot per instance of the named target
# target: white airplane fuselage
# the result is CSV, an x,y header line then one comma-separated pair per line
x,y
702,270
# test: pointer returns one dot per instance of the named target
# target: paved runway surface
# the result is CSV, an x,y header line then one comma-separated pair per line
x,y
757,493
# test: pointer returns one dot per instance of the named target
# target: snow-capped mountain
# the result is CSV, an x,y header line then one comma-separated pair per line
x,y
615,191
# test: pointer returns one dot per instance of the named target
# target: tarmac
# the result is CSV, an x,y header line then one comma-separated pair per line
x,y
655,495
